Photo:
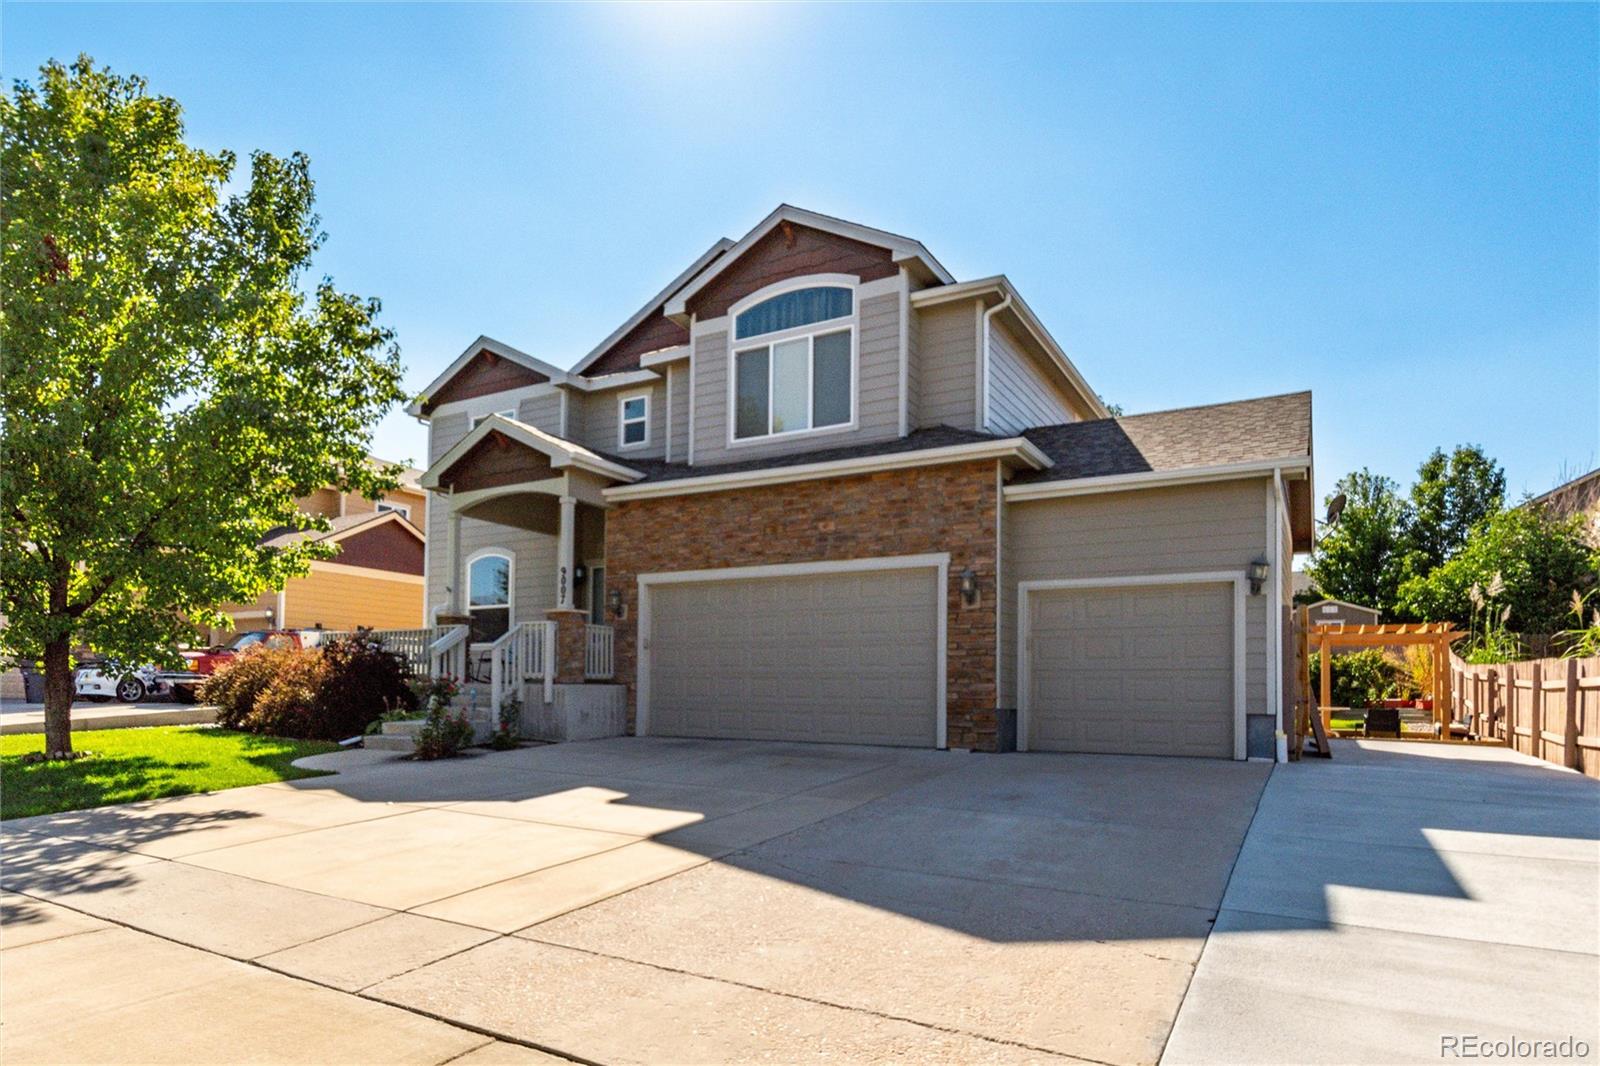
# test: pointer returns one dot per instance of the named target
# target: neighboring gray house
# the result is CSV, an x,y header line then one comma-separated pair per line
x,y
1331,612
817,488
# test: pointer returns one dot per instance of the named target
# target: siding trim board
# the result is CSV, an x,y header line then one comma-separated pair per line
x,y
938,561
1212,577
1151,479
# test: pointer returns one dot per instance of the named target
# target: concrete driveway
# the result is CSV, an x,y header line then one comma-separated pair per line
x,y
647,900
1399,897
631,900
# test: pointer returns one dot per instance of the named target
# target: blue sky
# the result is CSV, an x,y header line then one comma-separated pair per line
x,y
1393,206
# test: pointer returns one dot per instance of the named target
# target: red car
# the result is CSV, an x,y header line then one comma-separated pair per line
x,y
202,664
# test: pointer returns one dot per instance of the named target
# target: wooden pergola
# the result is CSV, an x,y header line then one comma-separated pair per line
x,y
1436,636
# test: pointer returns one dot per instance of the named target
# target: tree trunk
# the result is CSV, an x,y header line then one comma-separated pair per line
x,y
58,692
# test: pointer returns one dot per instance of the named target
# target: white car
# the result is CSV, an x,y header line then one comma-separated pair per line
x,y
128,687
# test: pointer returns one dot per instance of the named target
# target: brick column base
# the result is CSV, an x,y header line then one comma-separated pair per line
x,y
570,644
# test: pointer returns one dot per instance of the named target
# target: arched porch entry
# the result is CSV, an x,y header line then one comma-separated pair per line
x,y
516,476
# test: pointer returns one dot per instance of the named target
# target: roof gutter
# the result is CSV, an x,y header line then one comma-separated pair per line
x,y
1150,479
1017,450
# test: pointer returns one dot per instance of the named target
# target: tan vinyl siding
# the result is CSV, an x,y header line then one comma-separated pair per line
x,y
542,412
680,411
878,413
534,553
600,421
1184,529
335,600
947,381
1021,393
877,391
913,368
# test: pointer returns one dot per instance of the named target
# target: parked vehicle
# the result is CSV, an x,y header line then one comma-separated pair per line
x,y
103,683
202,664
99,682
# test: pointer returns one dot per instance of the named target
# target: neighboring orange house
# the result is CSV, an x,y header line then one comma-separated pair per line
x,y
376,580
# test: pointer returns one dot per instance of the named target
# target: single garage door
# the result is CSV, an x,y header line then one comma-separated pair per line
x,y
1145,670
846,658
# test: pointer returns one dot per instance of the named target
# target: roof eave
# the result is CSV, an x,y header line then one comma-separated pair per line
x,y
903,251
1014,451
705,259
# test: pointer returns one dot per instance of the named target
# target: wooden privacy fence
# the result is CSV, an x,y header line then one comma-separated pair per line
x,y
1547,708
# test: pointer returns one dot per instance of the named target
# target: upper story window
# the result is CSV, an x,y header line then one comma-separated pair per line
x,y
477,419
799,377
398,508
790,310
633,420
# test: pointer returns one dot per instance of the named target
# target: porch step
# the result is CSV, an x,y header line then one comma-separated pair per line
x,y
389,742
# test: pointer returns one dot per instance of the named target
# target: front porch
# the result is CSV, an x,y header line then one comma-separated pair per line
x,y
519,621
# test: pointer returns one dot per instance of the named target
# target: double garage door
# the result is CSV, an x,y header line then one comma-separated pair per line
x,y
1132,670
849,658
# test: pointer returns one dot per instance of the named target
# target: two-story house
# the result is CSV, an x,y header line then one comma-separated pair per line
x,y
821,490
375,579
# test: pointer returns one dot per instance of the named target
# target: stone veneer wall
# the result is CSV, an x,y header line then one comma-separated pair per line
x,y
950,508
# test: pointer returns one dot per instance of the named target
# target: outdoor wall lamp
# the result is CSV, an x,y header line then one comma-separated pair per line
x,y
1257,573
614,602
579,573
969,588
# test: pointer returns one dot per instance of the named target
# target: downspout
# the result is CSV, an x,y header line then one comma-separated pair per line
x,y
1276,549
988,318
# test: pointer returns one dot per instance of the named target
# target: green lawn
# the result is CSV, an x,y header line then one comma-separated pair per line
x,y
1346,724
137,764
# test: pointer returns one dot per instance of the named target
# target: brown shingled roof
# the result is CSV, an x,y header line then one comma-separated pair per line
x,y
1273,427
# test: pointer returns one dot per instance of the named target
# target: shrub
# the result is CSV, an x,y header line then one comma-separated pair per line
x,y
236,685
508,731
1360,678
327,693
443,733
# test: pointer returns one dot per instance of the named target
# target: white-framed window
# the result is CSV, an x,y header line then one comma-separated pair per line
x,y
793,362
476,419
400,509
489,583
633,420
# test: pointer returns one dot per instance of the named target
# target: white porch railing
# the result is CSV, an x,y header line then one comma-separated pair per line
x,y
599,657
412,645
524,653
447,653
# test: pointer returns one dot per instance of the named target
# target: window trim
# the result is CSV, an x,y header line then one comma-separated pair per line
x,y
850,324
511,584
623,422
476,420
402,509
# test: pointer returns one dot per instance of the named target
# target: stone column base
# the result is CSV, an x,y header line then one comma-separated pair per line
x,y
570,647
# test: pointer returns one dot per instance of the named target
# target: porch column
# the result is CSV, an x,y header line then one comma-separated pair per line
x,y
452,552
564,552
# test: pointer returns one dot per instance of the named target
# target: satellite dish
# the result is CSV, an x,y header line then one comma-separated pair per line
x,y
1335,509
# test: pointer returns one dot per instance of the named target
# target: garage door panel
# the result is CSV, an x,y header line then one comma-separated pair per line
x,y
1137,670
847,658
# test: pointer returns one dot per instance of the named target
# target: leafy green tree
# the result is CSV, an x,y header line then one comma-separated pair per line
x,y
1360,559
1532,560
170,383
1451,495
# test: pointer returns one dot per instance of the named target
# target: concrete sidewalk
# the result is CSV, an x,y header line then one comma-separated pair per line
x,y
1398,896
29,717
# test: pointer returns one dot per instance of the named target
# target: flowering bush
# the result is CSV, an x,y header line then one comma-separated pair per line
x,y
444,732
508,731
